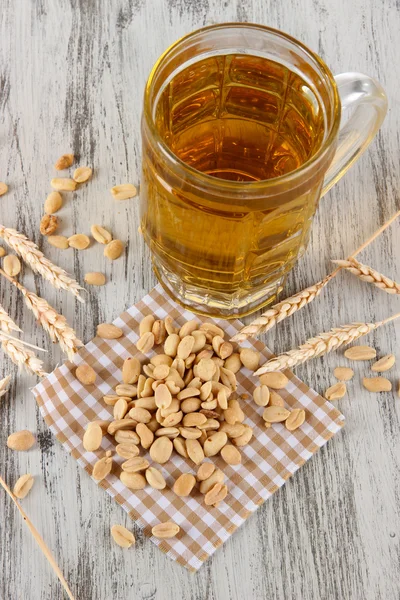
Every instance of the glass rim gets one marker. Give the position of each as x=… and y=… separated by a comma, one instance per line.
x=240, y=186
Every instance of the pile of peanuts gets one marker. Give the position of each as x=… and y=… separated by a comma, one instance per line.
x=183, y=399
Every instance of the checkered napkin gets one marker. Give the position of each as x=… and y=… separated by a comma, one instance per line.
x=272, y=456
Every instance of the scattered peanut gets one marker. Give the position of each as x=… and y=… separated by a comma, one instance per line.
x=250, y=358
x=145, y=342
x=48, y=224
x=123, y=191
x=295, y=419
x=12, y=265
x=64, y=162
x=122, y=536
x=343, y=373
x=275, y=399
x=131, y=370
x=377, y=384
x=217, y=493
x=94, y=278
x=114, y=249
x=82, y=174
x=184, y=484
x=155, y=479
x=85, y=374
x=3, y=188
x=384, y=364
x=134, y=481
x=92, y=437
x=161, y=450
x=108, y=331
x=101, y=234
x=275, y=414
x=102, y=468
x=275, y=380
x=127, y=450
x=79, y=241
x=360, y=353
x=23, y=486
x=21, y=440
x=336, y=391
x=165, y=530
x=65, y=184
x=261, y=395
x=231, y=455
x=58, y=241
x=53, y=203
x=205, y=470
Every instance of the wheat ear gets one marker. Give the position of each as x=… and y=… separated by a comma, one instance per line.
x=321, y=344
x=22, y=357
x=39, y=540
x=55, y=324
x=282, y=310
x=6, y=322
x=4, y=385
x=290, y=305
x=31, y=254
x=366, y=273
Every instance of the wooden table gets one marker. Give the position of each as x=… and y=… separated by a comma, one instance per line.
x=71, y=78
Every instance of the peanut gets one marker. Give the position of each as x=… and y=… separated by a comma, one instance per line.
x=58, y=241
x=79, y=241
x=21, y=440
x=114, y=249
x=122, y=536
x=61, y=184
x=85, y=374
x=48, y=224
x=184, y=484
x=12, y=265
x=64, y=162
x=295, y=419
x=108, y=331
x=53, y=203
x=93, y=278
x=123, y=191
x=82, y=174
x=165, y=530
x=101, y=234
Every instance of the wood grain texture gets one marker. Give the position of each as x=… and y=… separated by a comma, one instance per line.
x=72, y=74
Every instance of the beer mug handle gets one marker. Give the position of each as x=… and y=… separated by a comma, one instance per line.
x=368, y=102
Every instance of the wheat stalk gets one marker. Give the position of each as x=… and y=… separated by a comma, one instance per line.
x=290, y=305
x=40, y=541
x=31, y=254
x=366, y=273
x=22, y=356
x=55, y=324
x=6, y=322
x=4, y=385
x=282, y=310
x=7, y=336
x=321, y=344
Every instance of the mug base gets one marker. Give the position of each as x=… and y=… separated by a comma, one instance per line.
x=222, y=306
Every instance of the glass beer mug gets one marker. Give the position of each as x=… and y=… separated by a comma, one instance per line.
x=241, y=137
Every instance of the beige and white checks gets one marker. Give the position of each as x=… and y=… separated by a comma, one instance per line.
x=272, y=456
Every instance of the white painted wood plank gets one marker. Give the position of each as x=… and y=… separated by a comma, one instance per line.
x=71, y=78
